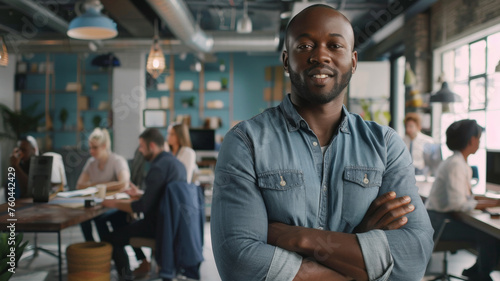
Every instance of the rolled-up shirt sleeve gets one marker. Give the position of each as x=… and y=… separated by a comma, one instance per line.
x=239, y=221
x=376, y=253
x=411, y=245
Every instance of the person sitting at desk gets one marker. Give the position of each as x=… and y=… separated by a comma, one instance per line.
x=415, y=140
x=20, y=161
x=179, y=143
x=451, y=192
x=165, y=168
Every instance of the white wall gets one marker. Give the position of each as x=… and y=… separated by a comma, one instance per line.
x=7, y=82
x=129, y=94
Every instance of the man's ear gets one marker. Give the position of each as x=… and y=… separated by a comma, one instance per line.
x=354, y=61
x=284, y=57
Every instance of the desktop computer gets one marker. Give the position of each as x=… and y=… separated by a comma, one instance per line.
x=493, y=171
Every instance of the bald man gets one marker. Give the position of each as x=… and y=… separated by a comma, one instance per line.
x=307, y=190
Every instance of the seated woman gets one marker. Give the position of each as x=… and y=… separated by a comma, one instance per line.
x=451, y=192
x=179, y=143
x=111, y=169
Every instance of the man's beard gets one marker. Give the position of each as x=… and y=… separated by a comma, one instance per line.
x=148, y=155
x=303, y=91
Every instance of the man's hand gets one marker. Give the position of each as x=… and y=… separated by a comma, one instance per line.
x=15, y=157
x=386, y=212
x=133, y=191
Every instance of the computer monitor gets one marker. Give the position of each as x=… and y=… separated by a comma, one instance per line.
x=432, y=157
x=202, y=139
x=493, y=170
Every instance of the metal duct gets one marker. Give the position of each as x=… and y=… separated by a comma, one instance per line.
x=223, y=42
x=250, y=42
x=180, y=21
x=41, y=15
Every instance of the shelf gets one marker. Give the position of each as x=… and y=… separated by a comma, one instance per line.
x=65, y=131
x=190, y=91
x=222, y=108
x=224, y=91
x=36, y=73
x=95, y=110
x=96, y=72
x=29, y=91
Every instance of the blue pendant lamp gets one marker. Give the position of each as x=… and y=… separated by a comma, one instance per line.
x=92, y=25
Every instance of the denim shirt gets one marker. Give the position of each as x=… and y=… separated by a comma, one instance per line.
x=271, y=168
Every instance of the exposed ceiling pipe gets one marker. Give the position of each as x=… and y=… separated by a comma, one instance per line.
x=42, y=16
x=224, y=41
x=236, y=42
x=182, y=24
x=180, y=21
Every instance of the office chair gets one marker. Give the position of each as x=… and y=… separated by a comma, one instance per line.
x=445, y=247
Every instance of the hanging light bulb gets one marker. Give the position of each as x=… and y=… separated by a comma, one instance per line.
x=156, y=60
x=244, y=24
x=4, y=56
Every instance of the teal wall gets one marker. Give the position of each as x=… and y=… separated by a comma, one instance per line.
x=249, y=83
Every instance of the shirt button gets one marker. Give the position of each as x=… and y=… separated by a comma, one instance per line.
x=315, y=143
x=320, y=228
x=324, y=187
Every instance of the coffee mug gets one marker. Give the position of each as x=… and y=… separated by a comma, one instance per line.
x=101, y=191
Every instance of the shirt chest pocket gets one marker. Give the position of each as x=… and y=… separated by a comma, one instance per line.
x=360, y=188
x=283, y=192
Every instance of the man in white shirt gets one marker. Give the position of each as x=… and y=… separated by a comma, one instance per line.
x=415, y=140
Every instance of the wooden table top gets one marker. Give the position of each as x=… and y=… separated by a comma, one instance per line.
x=40, y=217
x=477, y=218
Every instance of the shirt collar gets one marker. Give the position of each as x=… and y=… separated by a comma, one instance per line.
x=294, y=120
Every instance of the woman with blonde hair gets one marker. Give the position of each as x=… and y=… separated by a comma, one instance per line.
x=111, y=169
x=179, y=143
x=104, y=167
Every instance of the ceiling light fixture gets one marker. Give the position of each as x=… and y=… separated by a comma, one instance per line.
x=244, y=24
x=156, y=60
x=4, y=56
x=92, y=25
x=445, y=95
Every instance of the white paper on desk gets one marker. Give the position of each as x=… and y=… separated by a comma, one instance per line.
x=80, y=192
x=119, y=195
x=72, y=202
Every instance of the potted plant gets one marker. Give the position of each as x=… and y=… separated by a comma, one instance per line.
x=63, y=117
x=224, y=82
x=222, y=65
x=20, y=122
x=188, y=102
x=9, y=258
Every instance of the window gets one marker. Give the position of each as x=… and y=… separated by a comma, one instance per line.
x=469, y=68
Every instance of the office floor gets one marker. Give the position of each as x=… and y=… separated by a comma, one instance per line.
x=44, y=267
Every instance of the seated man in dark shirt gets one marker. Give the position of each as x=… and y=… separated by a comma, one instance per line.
x=165, y=168
x=20, y=161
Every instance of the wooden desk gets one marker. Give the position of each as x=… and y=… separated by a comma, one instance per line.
x=477, y=219
x=44, y=217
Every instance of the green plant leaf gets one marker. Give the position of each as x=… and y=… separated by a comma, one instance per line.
x=5, y=276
